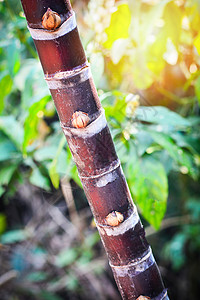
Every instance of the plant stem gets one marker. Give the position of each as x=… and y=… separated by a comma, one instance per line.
x=69, y=78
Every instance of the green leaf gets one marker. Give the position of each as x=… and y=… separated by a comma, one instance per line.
x=74, y=175
x=59, y=161
x=32, y=120
x=53, y=172
x=37, y=276
x=85, y=258
x=13, y=57
x=193, y=206
x=119, y=25
x=3, y=223
x=72, y=282
x=6, y=173
x=163, y=157
x=44, y=295
x=143, y=141
x=197, y=43
x=67, y=257
x=175, y=250
x=63, y=163
x=117, y=108
x=7, y=149
x=160, y=115
x=5, y=88
x=58, y=156
x=38, y=179
x=187, y=141
x=46, y=153
x=54, y=176
x=13, y=236
x=92, y=239
x=13, y=129
x=197, y=89
x=148, y=183
x=177, y=153
x=30, y=82
x=2, y=190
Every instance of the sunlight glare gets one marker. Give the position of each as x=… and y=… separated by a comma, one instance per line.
x=171, y=55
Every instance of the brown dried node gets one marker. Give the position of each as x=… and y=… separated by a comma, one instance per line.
x=51, y=20
x=114, y=218
x=143, y=298
x=80, y=119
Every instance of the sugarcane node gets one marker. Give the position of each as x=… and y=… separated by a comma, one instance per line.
x=143, y=298
x=114, y=218
x=80, y=119
x=51, y=20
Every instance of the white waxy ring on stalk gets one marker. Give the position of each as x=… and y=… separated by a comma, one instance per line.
x=43, y=34
x=93, y=128
x=136, y=267
x=123, y=227
x=67, y=79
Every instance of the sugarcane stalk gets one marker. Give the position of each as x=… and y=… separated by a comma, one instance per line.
x=52, y=25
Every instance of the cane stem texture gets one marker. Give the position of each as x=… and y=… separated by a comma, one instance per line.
x=82, y=118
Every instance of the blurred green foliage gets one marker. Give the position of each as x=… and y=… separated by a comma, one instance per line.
x=144, y=57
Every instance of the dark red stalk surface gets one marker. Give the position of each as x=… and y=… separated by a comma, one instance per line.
x=68, y=77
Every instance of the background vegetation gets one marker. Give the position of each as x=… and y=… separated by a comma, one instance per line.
x=145, y=61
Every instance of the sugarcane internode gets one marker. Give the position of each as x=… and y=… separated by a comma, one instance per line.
x=83, y=121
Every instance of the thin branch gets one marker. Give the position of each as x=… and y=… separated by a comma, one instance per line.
x=5, y=278
x=170, y=222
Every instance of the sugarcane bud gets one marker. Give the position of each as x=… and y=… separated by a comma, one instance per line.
x=143, y=298
x=80, y=119
x=51, y=20
x=114, y=218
